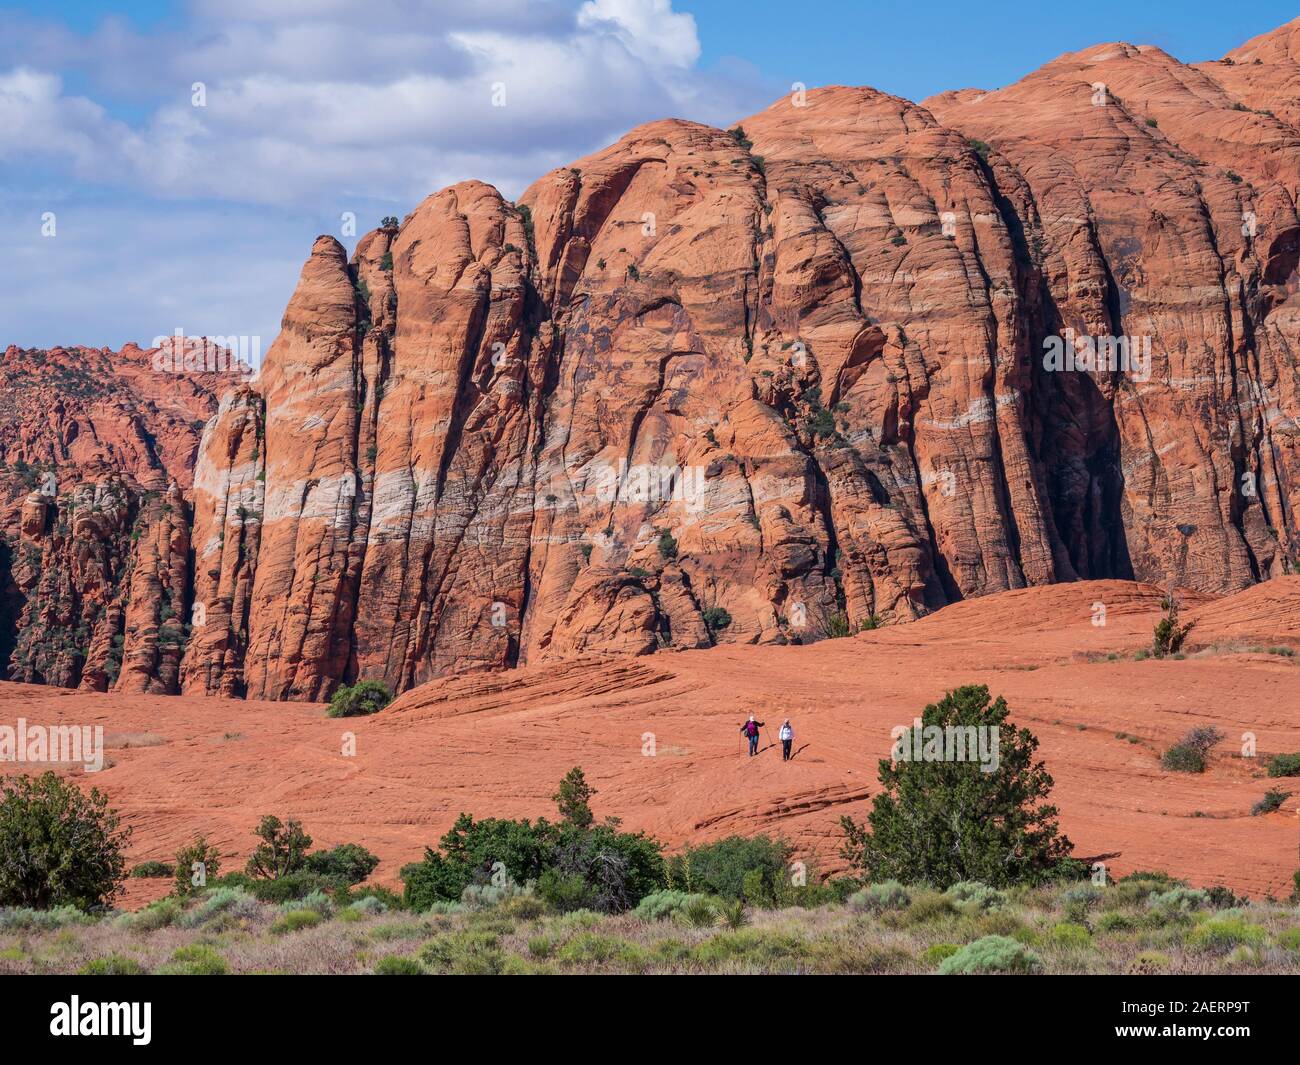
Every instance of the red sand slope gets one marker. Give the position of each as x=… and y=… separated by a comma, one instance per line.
x=498, y=743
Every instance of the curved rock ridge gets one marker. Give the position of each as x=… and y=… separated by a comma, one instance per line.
x=846, y=363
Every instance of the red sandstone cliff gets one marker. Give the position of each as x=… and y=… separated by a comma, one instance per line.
x=763, y=385
x=97, y=451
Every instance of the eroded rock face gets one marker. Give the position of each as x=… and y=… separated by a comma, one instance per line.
x=849, y=362
x=97, y=451
x=1160, y=208
x=771, y=383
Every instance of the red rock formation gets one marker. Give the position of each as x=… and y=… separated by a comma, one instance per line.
x=1158, y=207
x=96, y=451
x=773, y=383
x=760, y=385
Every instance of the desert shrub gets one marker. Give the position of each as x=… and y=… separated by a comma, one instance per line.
x=759, y=947
x=1284, y=765
x=1178, y=899
x=577, y=921
x=231, y=902
x=348, y=863
x=398, y=965
x=1115, y=921
x=1272, y=800
x=1189, y=754
x=363, y=698
x=926, y=905
x=295, y=921
x=661, y=905
x=197, y=861
x=732, y=913
x=1149, y=963
x=592, y=948
x=153, y=870
x=160, y=914
x=1078, y=900
x=1183, y=759
x=25, y=919
x=1203, y=737
x=58, y=846
x=972, y=897
x=317, y=901
x=464, y=953
x=875, y=898
x=468, y=853
x=527, y=906
x=368, y=906
x=1289, y=939
x=1136, y=888
x=1222, y=898
x=1169, y=636
x=196, y=959
x=616, y=869
x=1009, y=834
x=283, y=849
x=667, y=545
x=290, y=887
x=698, y=911
x=715, y=619
x=390, y=899
x=563, y=892
x=991, y=954
x=1068, y=934
x=619, y=868
x=542, y=946
x=749, y=867
x=1222, y=933
x=938, y=953
x=112, y=965
x=485, y=896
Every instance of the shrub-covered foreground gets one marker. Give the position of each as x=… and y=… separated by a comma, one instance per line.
x=993, y=892
x=1143, y=924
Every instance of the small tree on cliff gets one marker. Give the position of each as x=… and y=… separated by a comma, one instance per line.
x=1169, y=635
x=942, y=820
x=574, y=799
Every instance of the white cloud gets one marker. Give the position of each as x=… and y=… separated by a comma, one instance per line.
x=36, y=117
x=299, y=108
x=648, y=29
x=314, y=107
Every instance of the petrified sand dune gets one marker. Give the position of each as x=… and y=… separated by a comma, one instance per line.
x=1266, y=612
x=658, y=738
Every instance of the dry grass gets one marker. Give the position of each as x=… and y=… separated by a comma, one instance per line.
x=1116, y=931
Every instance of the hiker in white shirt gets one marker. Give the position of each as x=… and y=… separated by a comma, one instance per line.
x=787, y=739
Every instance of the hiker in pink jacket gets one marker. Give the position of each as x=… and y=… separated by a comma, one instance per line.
x=750, y=729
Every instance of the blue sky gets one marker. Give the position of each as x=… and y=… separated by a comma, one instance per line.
x=169, y=215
